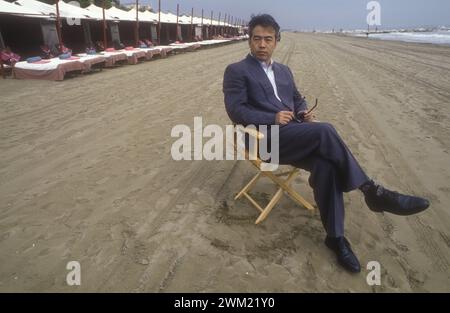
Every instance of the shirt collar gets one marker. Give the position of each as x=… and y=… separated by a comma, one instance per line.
x=263, y=64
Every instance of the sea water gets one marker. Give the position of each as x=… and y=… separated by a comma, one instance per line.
x=438, y=37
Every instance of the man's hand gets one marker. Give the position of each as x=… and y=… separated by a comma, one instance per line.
x=307, y=117
x=284, y=117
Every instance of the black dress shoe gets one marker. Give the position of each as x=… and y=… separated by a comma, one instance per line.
x=379, y=199
x=344, y=253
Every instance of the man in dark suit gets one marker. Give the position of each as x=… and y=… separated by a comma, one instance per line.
x=259, y=91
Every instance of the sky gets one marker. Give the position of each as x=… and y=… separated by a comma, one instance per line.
x=320, y=14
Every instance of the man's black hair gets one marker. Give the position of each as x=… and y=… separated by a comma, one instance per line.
x=264, y=20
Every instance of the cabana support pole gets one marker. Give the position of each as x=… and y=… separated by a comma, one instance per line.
x=210, y=25
x=224, y=30
x=58, y=27
x=192, y=23
x=105, y=38
x=136, y=29
x=202, y=25
x=159, y=22
x=231, y=26
x=219, y=23
x=178, y=12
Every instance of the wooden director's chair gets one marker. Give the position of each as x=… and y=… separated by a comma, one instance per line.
x=283, y=184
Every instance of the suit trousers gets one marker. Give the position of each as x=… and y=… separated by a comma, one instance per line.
x=318, y=148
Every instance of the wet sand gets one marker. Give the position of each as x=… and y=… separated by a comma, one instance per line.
x=86, y=175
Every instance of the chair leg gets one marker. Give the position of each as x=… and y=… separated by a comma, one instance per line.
x=284, y=186
x=294, y=195
x=254, y=202
x=249, y=186
x=269, y=206
x=277, y=196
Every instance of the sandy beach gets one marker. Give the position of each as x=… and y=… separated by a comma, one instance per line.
x=86, y=175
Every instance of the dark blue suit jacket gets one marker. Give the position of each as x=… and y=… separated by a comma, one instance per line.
x=249, y=95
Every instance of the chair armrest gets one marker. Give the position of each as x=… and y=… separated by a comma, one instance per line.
x=252, y=132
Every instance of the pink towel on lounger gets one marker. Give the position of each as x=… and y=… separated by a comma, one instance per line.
x=42, y=62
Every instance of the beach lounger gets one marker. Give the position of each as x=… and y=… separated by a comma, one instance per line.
x=213, y=43
x=91, y=61
x=276, y=178
x=151, y=52
x=187, y=46
x=178, y=47
x=165, y=50
x=51, y=69
x=134, y=55
x=162, y=51
x=54, y=68
x=113, y=57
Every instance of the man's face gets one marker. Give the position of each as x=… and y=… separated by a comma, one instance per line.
x=263, y=43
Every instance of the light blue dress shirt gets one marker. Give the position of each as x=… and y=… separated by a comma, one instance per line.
x=268, y=69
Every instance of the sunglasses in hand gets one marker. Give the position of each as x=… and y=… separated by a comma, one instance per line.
x=302, y=114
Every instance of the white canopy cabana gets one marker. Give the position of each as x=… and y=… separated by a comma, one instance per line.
x=39, y=9
x=172, y=18
x=208, y=22
x=198, y=21
x=153, y=15
x=165, y=18
x=74, y=11
x=98, y=13
x=121, y=15
x=36, y=6
x=65, y=10
x=145, y=16
x=184, y=19
x=11, y=8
